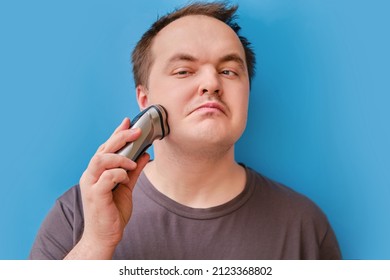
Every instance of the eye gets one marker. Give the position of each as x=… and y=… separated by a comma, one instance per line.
x=182, y=73
x=227, y=72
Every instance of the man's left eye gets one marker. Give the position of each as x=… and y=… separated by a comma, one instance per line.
x=228, y=73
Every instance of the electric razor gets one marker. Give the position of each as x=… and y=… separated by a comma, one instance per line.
x=153, y=122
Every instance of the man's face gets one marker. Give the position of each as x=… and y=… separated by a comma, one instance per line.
x=200, y=76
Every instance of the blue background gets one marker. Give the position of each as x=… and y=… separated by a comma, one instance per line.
x=319, y=109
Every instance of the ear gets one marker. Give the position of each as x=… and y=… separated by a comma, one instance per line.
x=142, y=97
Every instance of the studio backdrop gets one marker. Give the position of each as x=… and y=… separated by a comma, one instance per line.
x=318, y=115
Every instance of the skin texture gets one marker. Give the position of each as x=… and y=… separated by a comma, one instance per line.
x=199, y=75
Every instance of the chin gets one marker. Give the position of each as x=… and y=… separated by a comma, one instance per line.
x=213, y=139
x=211, y=132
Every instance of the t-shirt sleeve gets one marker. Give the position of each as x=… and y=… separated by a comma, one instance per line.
x=320, y=240
x=61, y=229
x=329, y=247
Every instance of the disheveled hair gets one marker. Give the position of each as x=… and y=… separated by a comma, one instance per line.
x=142, y=59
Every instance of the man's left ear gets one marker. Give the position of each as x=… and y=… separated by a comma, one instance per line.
x=142, y=97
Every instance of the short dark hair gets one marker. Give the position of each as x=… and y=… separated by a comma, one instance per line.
x=142, y=59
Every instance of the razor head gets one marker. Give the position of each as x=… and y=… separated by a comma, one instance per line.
x=153, y=122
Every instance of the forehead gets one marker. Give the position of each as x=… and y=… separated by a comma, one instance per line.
x=198, y=35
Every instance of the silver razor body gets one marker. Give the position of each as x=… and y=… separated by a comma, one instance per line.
x=153, y=122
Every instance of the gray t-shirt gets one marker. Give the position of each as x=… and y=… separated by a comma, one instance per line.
x=266, y=221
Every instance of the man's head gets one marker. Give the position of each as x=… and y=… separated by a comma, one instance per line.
x=197, y=67
x=142, y=57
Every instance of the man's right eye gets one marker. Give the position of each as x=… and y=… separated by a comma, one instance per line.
x=182, y=73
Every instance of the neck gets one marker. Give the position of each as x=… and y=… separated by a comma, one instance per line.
x=199, y=181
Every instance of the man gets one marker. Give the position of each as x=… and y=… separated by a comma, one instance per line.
x=193, y=201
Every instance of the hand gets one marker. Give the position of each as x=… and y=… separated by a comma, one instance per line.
x=107, y=211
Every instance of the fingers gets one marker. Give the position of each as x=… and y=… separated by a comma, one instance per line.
x=119, y=139
x=109, y=179
x=101, y=162
x=124, y=126
x=105, y=158
x=109, y=170
x=125, y=189
x=141, y=162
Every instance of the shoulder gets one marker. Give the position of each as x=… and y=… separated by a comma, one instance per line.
x=296, y=214
x=62, y=227
x=69, y=204
x=71, y=198
x=281, y=198
x=68, y=209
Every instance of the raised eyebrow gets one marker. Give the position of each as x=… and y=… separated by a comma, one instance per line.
x=235, y=58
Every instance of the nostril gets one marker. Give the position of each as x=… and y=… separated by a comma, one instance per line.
x=206, y=91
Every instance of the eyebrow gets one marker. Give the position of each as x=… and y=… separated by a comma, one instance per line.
x=233, y=57
x=182, y=57
x=226, y=58
x=179, y=57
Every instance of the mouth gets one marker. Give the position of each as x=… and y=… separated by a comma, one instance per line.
x=211, y=107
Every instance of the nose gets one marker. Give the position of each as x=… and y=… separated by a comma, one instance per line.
x=210, y=83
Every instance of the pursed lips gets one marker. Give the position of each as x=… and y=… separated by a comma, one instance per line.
x=211, y=105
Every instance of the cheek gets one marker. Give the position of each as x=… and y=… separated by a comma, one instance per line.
x=239, y=101
x=175, y=97
x=240, y=111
